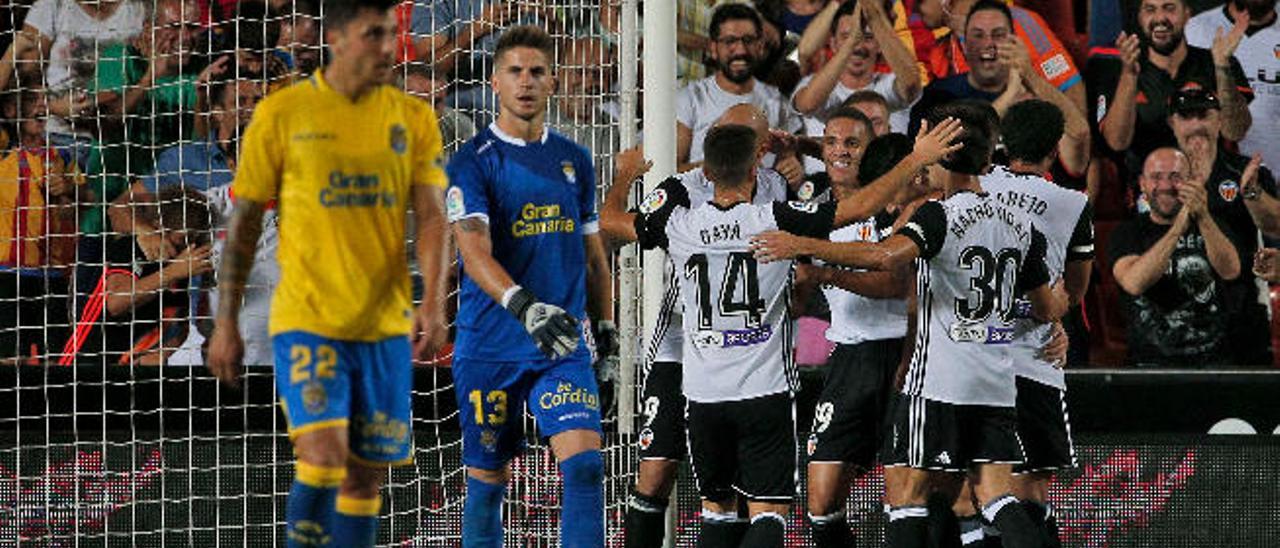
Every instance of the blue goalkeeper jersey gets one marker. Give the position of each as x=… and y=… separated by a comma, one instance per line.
x=539, y=199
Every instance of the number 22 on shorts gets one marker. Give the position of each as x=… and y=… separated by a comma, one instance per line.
x=497, y=399
x=300, y=357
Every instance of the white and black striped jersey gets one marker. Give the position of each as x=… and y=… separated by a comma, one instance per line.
x=976, y=258
x=854, y=318
x=667, y=344
x=736, y=323
x=1064, y=217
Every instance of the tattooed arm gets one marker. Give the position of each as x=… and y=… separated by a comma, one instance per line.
x=226, y=349
x=476, y=248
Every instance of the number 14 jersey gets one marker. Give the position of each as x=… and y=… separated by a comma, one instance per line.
x=976, y=258
x=737, y=328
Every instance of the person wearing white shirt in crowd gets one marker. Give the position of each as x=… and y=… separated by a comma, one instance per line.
x=736, y=46
x=1259, y=56
x=861, y=33
x=64, y=37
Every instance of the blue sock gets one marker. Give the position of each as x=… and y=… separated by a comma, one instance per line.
x=355, y=521
x=582, y=510
x=309, y=509
x=482, y=514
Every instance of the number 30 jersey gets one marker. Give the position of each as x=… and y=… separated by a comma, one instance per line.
x=977, y=257
x=736, y=325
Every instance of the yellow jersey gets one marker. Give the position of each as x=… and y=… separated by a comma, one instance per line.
x=341, y=173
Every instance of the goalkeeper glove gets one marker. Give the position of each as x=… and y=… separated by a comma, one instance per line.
x=554, y=331
x=605, y=334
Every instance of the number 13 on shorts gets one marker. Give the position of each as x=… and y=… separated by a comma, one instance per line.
x=497, y=406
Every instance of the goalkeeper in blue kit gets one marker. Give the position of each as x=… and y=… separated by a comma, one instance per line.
x=522, y=205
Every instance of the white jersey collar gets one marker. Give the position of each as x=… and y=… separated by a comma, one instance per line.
x=502, y=136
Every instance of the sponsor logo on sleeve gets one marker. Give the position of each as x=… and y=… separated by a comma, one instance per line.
x=1055, y=66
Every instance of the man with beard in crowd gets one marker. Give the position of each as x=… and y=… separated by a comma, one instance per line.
x=1130, y=88
x=736, y=46
x=1259, y=57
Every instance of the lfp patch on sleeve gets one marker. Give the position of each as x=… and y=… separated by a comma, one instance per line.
x=654, y=201
x=453, y=205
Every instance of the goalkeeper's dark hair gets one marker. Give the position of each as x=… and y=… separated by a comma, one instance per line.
x=882, y=154
x=1031, y=130
x=337, y=13
x=850, y=113
x=728, y=154
x=981, y=131
x=734, y=12
x=526, y=36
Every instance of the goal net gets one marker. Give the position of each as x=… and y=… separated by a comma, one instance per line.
x=111, y=430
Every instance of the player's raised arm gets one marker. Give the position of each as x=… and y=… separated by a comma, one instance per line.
x=615, y=221
x=932, y=145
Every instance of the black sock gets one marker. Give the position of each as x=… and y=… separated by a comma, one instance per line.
x=1016, y=528
x=646, y=525
x=766, y=531
x=1036, y=512
x=831, y=531
x=721, y=531
x=971, y=532
x=908, y=527
x=1051, y=528
x=944, y=530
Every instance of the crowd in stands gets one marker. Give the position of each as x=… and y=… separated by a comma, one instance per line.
x=121, y=119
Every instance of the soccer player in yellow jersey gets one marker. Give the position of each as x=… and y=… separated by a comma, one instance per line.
x=345, y=156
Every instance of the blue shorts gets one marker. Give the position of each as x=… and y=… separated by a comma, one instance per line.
x=492, y=395
x=365, y=387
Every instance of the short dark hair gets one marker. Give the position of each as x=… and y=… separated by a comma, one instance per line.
x=526, y=36
x=865, y=96
x=178, y=208
x=253, y=29
x=850, y=113
x=881, y=155
x=993, y=5
x=845, y=10
x=734, y=12
x=337, y=13
x=1031, y=130
x=232, y=74
x=981, y=130
x=729, y=152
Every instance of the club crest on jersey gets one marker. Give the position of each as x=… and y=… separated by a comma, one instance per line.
x=489, y=440
x=399, y=138
x=314, y=397
x=1102, y=108
x=454, y=207
x=1229, y=189
x=1277, y=51
x=812, y=445
x=654, y=201
x=646, y=438
x=569, y=175
x=806, y=191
